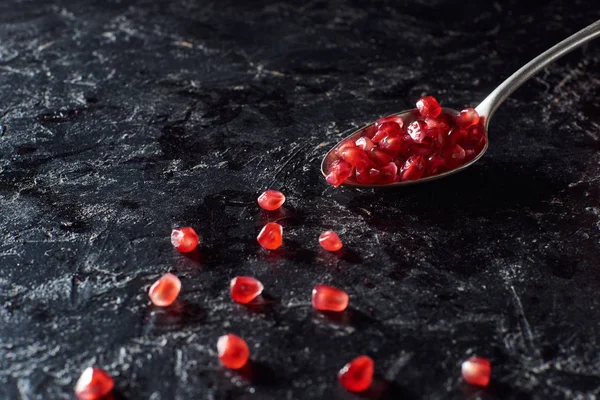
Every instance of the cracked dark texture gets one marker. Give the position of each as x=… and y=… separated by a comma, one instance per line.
x=122, y=119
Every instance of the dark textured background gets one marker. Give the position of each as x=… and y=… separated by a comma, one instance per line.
x=122, y=119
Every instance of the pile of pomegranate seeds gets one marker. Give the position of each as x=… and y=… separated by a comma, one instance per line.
x=93, y=384
x=357, y=375
x=271, y=236
x=184, y=239
x=328, y=298
x=330, y=241
x=271, y=200
x=165, y=290
x=477, y=371
x=409, y=147
x=233, y=351
x=244, y=289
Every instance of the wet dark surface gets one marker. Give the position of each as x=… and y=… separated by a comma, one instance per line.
x=122, y=119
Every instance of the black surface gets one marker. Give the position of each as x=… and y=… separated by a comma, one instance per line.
x=123, y=119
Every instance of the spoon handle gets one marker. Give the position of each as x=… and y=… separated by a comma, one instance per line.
x=489, y=105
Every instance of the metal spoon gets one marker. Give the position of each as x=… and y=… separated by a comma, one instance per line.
x=490, y=104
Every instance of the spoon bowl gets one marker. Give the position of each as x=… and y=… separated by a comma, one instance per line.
x=330, y=157
x=485, y=109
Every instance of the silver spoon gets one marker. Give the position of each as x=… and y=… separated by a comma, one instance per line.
x=489, y=105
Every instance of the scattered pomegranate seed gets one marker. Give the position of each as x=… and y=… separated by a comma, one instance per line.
x=270, y=236
x=328, y=298
x=338, y=172
x=467, y=117
x=93, y=384
x=184, y=239
x=233, y=351
x=429, y=107
x=357, y=375
x=409, y=147
x=477, y=371
x=330, y=241
x=244, y=289
x=271, y=200
x=165, y=290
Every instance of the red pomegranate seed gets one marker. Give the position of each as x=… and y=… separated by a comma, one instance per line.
x=338, y=172
x=379, y=157
x=470, y=154
x=385, y=174
x=467, y=117
x=458, y=135
x=346, y=144
x=270, y=236
x=357, y=375
x=271, y=200
x=441, y=122
x=425, y=148
x=417, y=130
x=328, y=298
x=165, y=290
x=429, y=107
x=244, y=289
x=392, y=144
x=390, y=118
x=233, y=351
x=330, y=241
x=413, y=168
x=184, y=239
x=93, y=384
x=477, y=371
x=355, y=157
x=364, y=143
x=386, y=129
x=475, y=135
x=363, y=176
x=455, y=156
x=436, y=164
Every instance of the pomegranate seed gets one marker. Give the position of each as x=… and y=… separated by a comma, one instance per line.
x=441, y=122
x=417, y=130
x=386, y=129
x=364, y=143
x=184, y=239
x=244, y=289
x=470, y=154
x=458, y=135
x=330, y=241
x=363, y=176
x=467, y=117
x=385, y=174
x=455, y=156
x=379, y=157
x=391, y=118
x=413, y=168
x=425, y=148
x=477, y=371
x=369, y=131
x=270, y=236
x=328, y=298
x=357, y=375
x=436, y=164
x=93, y=384
x=271, y=200
x=476, y=133
x=233, y=351
x=356, y=157
x=429, y=107
x=346, y=144
x=338, y=172
x=392, y=145
x=165, y=290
